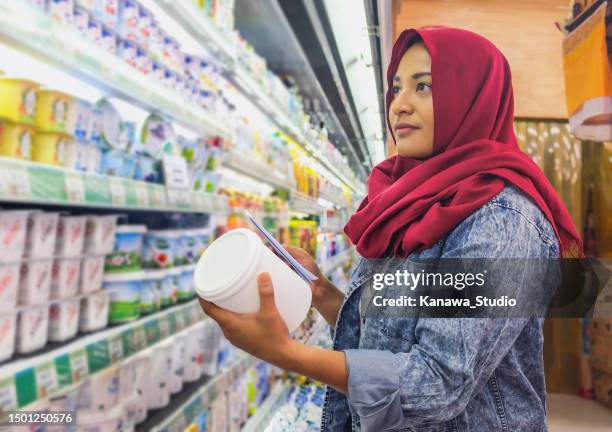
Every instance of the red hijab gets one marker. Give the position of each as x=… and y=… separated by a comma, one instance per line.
x=413, y=203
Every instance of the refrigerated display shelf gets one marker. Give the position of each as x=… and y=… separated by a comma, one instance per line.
x=264, y=414
x=29, y=182
x=249, y=165
x=25, y=381
x=31, y=30
x=336, y=261
x=305, y=204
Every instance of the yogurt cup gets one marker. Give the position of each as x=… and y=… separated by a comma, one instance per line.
x=124, y=290
x=9, y=282
x=128, y=20
x=80, y=20
x=185, y=283
x=16, y=140
x=54, y=111
x=100, y=234
x=61, y=10
x=226, y=275
x=18, y=103
x=178, y=344
x=160, y=371
x=32, y=329
x=63, y=320
x=92, y=273
x=142, y=362
x=133, y=410
x=150, y=297
x=100, y=392
x=65, y=277
x=70, y=236
x=194, y=357
x=100, y=421
x=189, y=246
x=170, y=287
x=127, y=249
x=127, y=379
x=13, y=228
x=35, y=281
x=94, y=311
x=159, y=248
x=42, y=232
x=8, y=325
x=202, y=237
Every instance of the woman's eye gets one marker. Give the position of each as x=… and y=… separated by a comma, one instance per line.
x=423, y=86
x=396, y=90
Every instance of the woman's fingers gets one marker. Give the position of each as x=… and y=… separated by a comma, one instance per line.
x=266, y=294
x=217, y=313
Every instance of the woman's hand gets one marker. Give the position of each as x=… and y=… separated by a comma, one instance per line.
x=263, y=334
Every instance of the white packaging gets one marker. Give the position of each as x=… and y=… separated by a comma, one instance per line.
x=94, y=312
x=13, y=227
x=9, y=281
x=32, y=329
x=8, y=324
x=63, y=320
x=42, y=231
x=100, y=234
x=35, y=281
x=178, y=363
x=192, y=368
x=92, y=273
x=142, y=362
x=134, y=411
x=100, y=392
x=157, y=390
x=100, y=421
x=227, y=272
x=61, y=10
x=70, y=236
x=65, y=278
x=127, y=379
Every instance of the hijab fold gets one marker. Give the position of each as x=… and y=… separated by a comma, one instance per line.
x=412, y=203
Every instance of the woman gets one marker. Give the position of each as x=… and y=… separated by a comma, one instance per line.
x=459, y=187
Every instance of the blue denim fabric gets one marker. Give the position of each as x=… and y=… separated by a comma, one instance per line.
x=439, y=374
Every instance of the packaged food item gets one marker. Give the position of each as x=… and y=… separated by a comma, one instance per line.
x=50, y=148
x=94, y=159
x=42, y=232
x=92, y=273
x=226, y=275
x=94, y=311
x=83, y=119
x=202, y=237
x=107, y=11
x=18, y=102
x=118, y=163
x=61, y=10
x=144, y=63
x=94, y=31
x=80, y=20
x=169, y=288
x=100, y=392
x=109, y=40
x=159, y=249
x=127, y=50
x=124, y=290
x=128, y=20
x=133, y=409
x=178, y=344
x=63, y=320
x=127, y=249
x=145, y=26
x=127, y=135
x=158, y=137
x=157, y=390
x=71, y=236
x=101, y=421
x=110, y=127
x=32, y=326
x=55, y=111
x=127, y=379
x=100, y=234
x=148, y=169
x=13, y=226
x=185, y=278
x=189, y=246
x=65, y=277
x=35, y=281
x=16, y=140
x=150, y=297
x=8, y=324
x=142, y=363
x=194, y=356
x=77, y=156
x=9, y=282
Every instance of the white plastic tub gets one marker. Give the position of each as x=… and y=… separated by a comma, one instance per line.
x=194, y=356
x=178, y=364
x=127, y=379
x=65, y=279
x=124, y=290
x=9, y=282
x=100, y=392
x=13, y=227
x=63, y=320
x=35, y=282
x=70, y=236
x=92, y=273
x=42, y=232
x=32, y=329
x=142, y=363
x=100, y=421
x=94, y=312
x=157, y=389
x=100, y=234
x=226, y=275
x=8, y=324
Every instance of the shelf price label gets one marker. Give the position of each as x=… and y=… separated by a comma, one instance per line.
x=46, y=379
x=158, y=197
x=115, y=348
x=75, y=190
x=15, y=182
x=117, y=191
x=78, y=365
x=176, y=177
x=142, y=195
x=8, y=394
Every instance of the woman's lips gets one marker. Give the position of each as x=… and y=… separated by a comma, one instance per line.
x=405, y=130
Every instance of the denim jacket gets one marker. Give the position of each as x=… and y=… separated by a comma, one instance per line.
x=448, y=374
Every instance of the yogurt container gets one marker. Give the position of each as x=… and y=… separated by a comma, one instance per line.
x=158, y=137
x=144, y=62
x=142, y=362
x=18, y=102
x=61, y=10
x=8, y=324
x=194, y=356
x=178, y=344
x=80, y=20
x=63, y=320
x=76, y=156
x=185, y=286
x=117, y=163
x=32, y=329
x=94, y=31
x=13, y=227
x=110, y=130
x=227, y=272
x=127, y=249
x=42, y=232
x=169, y=287
x=160, y=371
x=145, y=26
x=100, y=421
x=50, y=148
x=100, y=392
x=150, y=297
x=128, y=50
x=159, y=249
x=92, y=273
x=82, y=124
x=127, y=379
x=124, y=290
x=128, y=20
x=133, y=410
x=9, y=282
x=65, y=277
x=107, y=11
x=148, y=169
x=70, y=236
x=94, y=312
x=54, y=112
x=35, y=281
x=16, y=140
x=109, y=40
x=189, y=246
x=202, y=237
x=100, y=234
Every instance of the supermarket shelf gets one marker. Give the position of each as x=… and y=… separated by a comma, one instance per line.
x=337, y=261
x=266, y=411
x=29, y=182
x=256, y=169
x=35, y=32
x=25, y=381
x=200, y=399
x=194, y=21
x=305, y=204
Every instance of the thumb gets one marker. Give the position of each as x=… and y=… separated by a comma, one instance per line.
x=266, y=293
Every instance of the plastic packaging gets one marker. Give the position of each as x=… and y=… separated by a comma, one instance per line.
x=42, y=232
x=65, y=278
x=50, y=147
x=9, y=282
x=13, y=226
x=100, y=392
x=8, y=324
x=185, y=283
x=127, y=249
x=16, y=140
x=188, y=246
x=18, y=102
x=157, y=390
x=124, y=290
x=159, y=249
x=55, y=112
x=142, y=362
x=227, y=272
x=192, y=366
x=150, y=296
x=92, y=273
x=32, y=329
x=100, y=234
x=35, y=281
x=100, y=421
x=63, y=320
x=94, y=311
x=178, y=344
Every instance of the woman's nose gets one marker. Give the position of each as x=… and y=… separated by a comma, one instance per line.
x=402, y=103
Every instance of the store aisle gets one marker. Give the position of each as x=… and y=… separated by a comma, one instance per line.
x=568, y=413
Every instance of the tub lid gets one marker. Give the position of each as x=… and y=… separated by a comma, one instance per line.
x=226, y=262
x=124, y=277
x=131, y=229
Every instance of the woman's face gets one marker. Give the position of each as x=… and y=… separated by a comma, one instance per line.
x=411, y=113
